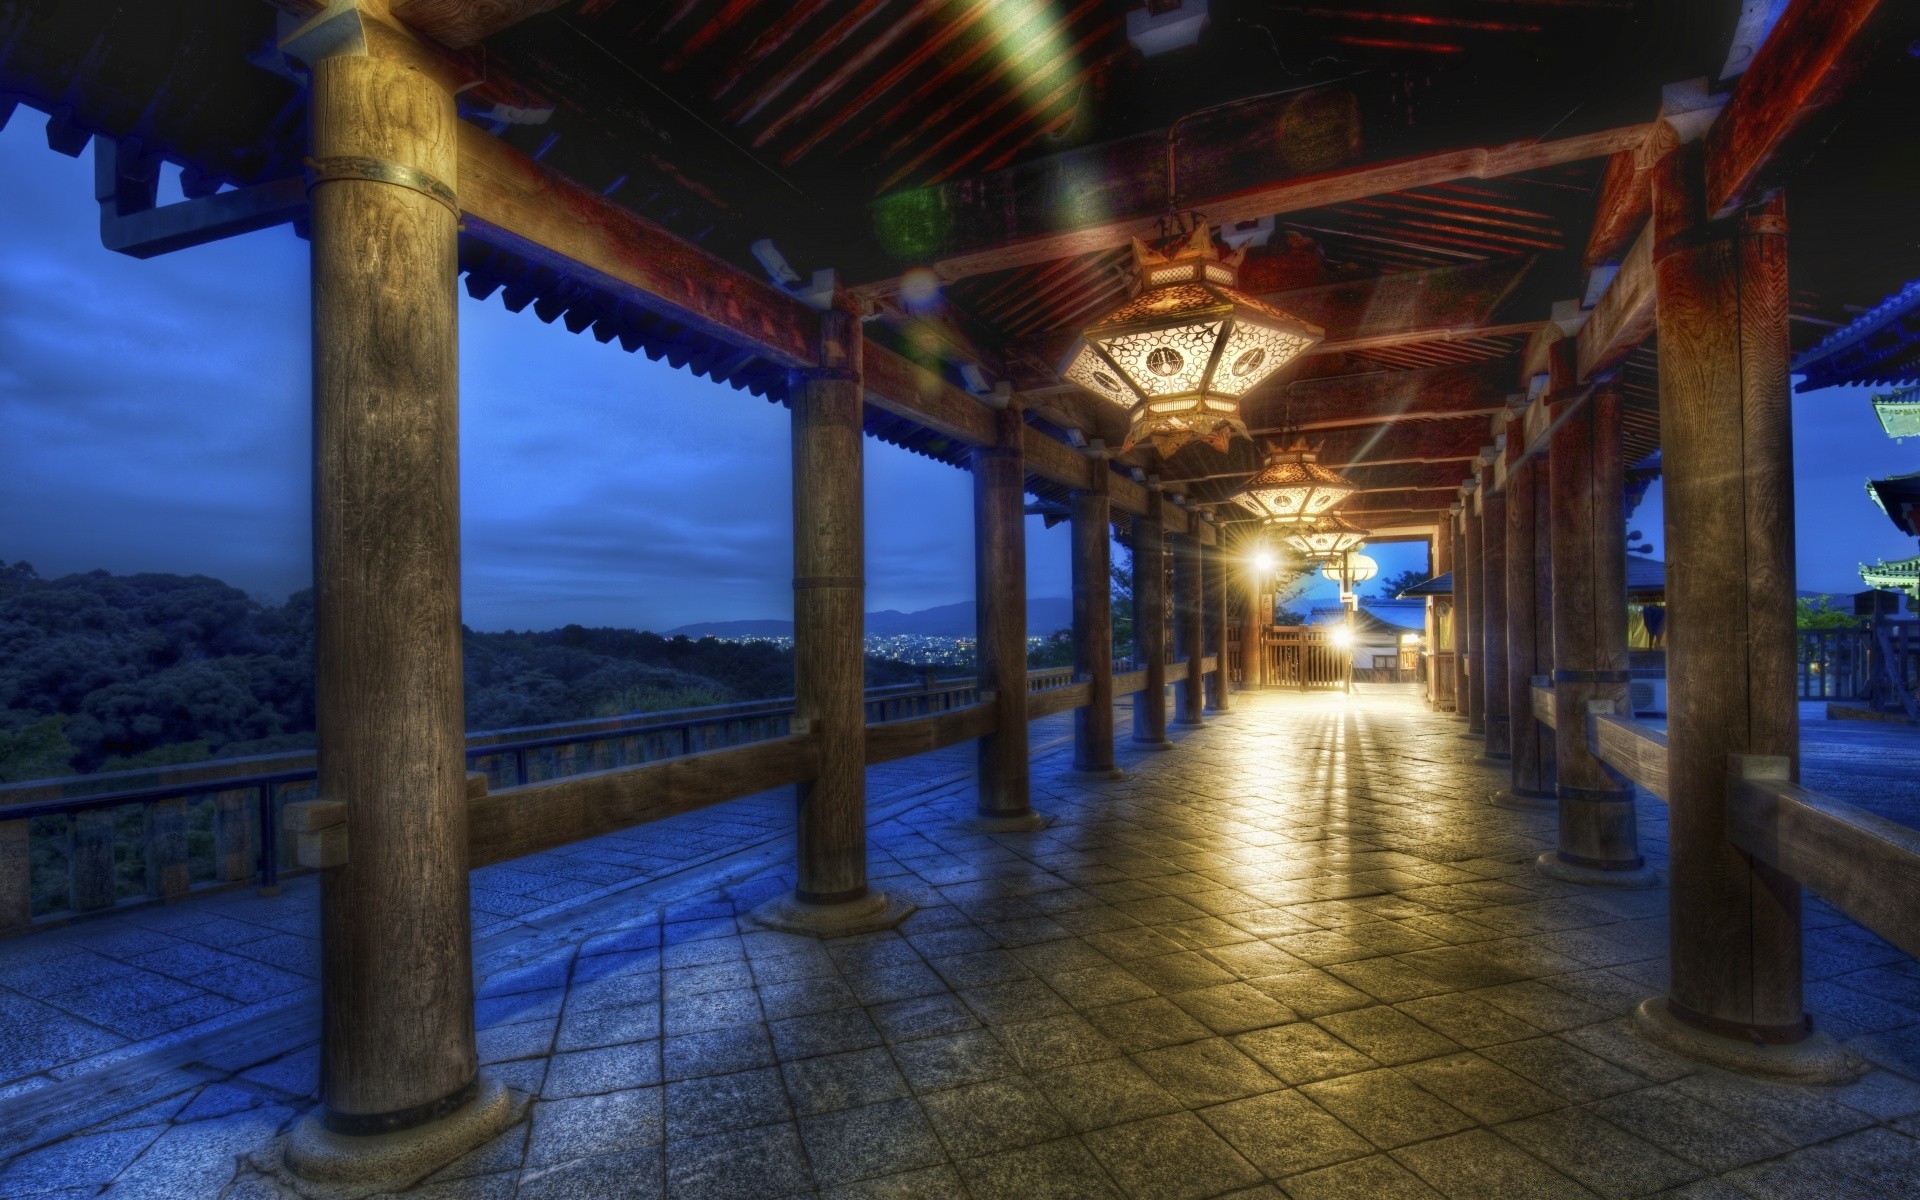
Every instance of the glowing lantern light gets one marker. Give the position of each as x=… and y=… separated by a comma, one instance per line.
x=1348, y=569
x=1293, y=488
x=1328, y=537
x=1186, y=348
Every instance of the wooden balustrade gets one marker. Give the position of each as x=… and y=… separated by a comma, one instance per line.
x=210, y=825
x=1863, y=864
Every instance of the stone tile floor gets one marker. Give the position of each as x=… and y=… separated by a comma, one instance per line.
x=1300, y=955
x=143, y=977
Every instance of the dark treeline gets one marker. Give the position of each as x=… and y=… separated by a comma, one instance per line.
x=101, y=671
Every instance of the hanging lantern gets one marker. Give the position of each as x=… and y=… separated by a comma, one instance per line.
x=1328, y=537
x=1293, y=488
x=1186, y=348
x=1349, y=568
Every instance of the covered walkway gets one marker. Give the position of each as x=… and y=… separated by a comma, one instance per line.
x=1301, y=955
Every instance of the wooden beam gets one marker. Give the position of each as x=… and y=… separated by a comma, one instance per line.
x=1381, y=397
x=1626, y=197
x=890, y=740
x=514, y=822
x=1292, y=195
x=1405, y=306
x=1057, y=700
x=1861, y=863
x=1784, y=104
x=462, y=23
x=1624, y=316
x=513, y=203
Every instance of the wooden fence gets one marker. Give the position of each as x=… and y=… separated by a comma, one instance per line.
x=85, y=844
x=1861, y=863
x=1305, y=656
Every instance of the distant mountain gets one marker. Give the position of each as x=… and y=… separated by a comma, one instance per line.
x=1044, y=615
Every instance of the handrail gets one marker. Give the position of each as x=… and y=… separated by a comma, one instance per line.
x=250, y=843
x=1633, y=748
x=1861, y=863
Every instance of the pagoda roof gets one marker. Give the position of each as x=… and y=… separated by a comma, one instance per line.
x=1899, y=497
x=1899, y=412
x=1881, y=346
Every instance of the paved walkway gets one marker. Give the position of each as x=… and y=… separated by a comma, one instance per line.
x=1299, y=955
x=74, y=999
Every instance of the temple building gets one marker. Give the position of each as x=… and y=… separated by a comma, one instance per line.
x=1249, y=287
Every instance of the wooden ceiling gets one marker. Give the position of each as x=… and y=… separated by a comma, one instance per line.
x=1436, y=175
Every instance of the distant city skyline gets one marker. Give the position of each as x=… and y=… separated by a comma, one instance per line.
x=157, y=418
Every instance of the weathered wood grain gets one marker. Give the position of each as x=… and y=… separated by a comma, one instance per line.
x=1636, y=750
x=1624, y=316
x=1000, y=614
x=1863, y=864
x=1069, y=698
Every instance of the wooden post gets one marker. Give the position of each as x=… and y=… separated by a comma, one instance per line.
x=1467, y=589
x=1253, y=654
x=1092, y=532
x=830, y=893
x=91, y=884
x=1491, y=588
x=1599, y=841
x=1150, y=625
x=1188, y=587
x=16, y=877
x=166, y=848
x=1530, y=781
x=1221, y=699
x=1728, y=461
x=1456, y=542
x=1000, y=610
x=397, y=1024
x=1543, y=590
x=233, y=856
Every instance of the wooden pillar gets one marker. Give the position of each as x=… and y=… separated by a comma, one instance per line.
x=1491, y=588
x=1467, y=591
x=1092, y=533
x=1221, y=698
x=1599, y=842
x=16, y=877
x=1728, y=462
x=1456, y=542
x=397, y=1023
x=1150, y=625
x=1188, y=587
x=1530, y=780
x=1000, y=611
x=1253, y=654
x=829, y=621
x=1543, y=611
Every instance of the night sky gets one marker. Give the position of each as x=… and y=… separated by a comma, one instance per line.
x=155, y=418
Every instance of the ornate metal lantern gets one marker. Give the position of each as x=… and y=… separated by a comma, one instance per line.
x=1186, y=348
x=1328, y=537
x=1293, y=488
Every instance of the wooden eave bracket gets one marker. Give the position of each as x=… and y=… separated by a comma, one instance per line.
x=131, y=223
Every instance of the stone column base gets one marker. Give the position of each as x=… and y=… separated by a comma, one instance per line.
x=1815, y=1059
x=1553, y=866
x=338, y=1165
x=1508, y=798
x=1183, y=723
x=1162, y=744
x=1494, y=760
x=1093, y=776
x=873, y=911
x=1026, y=822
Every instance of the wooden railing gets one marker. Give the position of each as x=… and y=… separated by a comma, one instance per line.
x=1305, y=656
x=1863, y=864
x=1834, y=664
x=88, y=843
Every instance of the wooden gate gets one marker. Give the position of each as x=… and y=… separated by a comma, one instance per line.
x=1304, y=656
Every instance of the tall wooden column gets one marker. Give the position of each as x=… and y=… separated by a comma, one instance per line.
x=397, y=1023
x=1221, y=698
x=1599, y=842
x=1543, y=589
x=1000, y=608
x=1189, y=628
x=1530, y=777
x=1491, y=590
x=1457, y=610
x=1467, y=590
x=1727, y=455
x=1253, y=655
x=1092, y=533
x=830, y=895
x=1150, y=625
